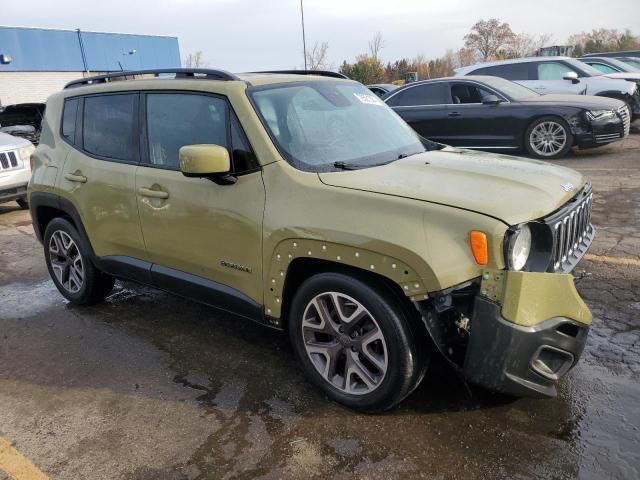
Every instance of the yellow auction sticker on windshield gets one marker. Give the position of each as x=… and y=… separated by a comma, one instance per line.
x=368, y=99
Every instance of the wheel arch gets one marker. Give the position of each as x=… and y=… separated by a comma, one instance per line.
x=295, y=260
x=565, y=117
x=45, y=206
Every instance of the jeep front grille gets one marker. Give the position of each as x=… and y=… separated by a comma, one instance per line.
x=8, y=161
x=572, y=234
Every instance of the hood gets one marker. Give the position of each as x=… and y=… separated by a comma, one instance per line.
x=584, y=101
x=510, y=189
x=8, y=142
x=606, y=82
x=633, y=76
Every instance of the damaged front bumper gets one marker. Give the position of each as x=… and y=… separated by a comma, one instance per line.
x=526, y=331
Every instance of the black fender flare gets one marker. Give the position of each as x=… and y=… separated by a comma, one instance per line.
x=37, y=200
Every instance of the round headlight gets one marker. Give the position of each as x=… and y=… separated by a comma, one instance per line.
x=519, y=248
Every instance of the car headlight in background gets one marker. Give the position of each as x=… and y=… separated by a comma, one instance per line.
x=600, y=114
x=25, y=153
x=518, y=247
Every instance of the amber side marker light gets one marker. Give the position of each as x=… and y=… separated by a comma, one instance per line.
x=479, y=247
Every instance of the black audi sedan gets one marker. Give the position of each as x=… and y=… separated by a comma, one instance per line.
x=491, y=113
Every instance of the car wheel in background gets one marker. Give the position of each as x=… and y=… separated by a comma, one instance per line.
x=22, y=202
x=548, y=138
x=356, y=341
x=70, y=267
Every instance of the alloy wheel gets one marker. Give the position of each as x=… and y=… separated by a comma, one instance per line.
x=344, y=343
x=66, y=261
x=548, y=138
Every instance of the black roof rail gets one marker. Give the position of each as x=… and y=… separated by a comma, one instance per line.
x=322, y=73
x=199, y=73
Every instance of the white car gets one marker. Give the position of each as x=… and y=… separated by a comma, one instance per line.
x=15, y=168
x=560, y=75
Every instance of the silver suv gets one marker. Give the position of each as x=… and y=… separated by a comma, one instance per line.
x=15, y=168
x=560, y=75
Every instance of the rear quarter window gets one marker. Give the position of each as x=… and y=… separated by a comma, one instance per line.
x=69, y=119
x=513, y=71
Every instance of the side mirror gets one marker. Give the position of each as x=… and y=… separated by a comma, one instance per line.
x=206, y=161
x=491, y=100
x=573, y=76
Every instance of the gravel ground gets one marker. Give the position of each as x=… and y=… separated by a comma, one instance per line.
x=150, y=386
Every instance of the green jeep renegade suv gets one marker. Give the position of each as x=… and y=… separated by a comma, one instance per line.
x=304, y=203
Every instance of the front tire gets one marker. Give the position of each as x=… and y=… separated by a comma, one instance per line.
x=22, y=203
x=68, y=260
x=548, y=138
x=356, y=341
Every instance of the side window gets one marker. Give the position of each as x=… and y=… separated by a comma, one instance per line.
x=552, y=70
x=512, y=71
x=69, y=119
x=243, y=158
x=178, y=119
x=603, y=68
x=434, y=94
x=462, y=93
x=110, y=126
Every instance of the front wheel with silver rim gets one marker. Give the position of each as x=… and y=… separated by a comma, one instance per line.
x=356, y=341
x=68, y=261
x=548, y=138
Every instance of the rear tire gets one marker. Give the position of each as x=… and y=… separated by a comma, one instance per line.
x=68, y=260
x=356, y=341
x=22, y=202
x=548, y=138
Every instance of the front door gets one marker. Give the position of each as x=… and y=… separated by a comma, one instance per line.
x=549, y=79
x=193, y=228
x=471, y=123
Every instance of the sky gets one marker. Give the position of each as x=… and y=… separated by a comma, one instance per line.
x=243, y=35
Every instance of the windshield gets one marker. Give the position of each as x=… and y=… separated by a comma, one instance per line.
x=634, y=62
x=322, y=126
x=630, y=64
x=511, y=89
x=583, y=67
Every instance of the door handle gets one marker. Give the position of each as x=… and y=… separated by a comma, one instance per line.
x=147, y=192
x=72, y=177
x=454, y=114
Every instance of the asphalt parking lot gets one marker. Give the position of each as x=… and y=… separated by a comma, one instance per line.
x=150, y=386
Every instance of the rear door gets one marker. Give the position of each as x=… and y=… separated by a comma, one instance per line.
x=194, y=229
x=423, y=107
x=98, y=176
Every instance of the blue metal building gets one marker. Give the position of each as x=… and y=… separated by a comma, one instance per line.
x=35, y=62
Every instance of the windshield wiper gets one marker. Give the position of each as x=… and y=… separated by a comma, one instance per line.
x=345, y=166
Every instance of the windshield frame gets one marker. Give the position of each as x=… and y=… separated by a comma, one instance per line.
x=328, y=167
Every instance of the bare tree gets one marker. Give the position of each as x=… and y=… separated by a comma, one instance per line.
x=488, y=37
x=524, y=45
x=194, y=60
x=317, y=57
x=375, y=45
x=464, y=57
